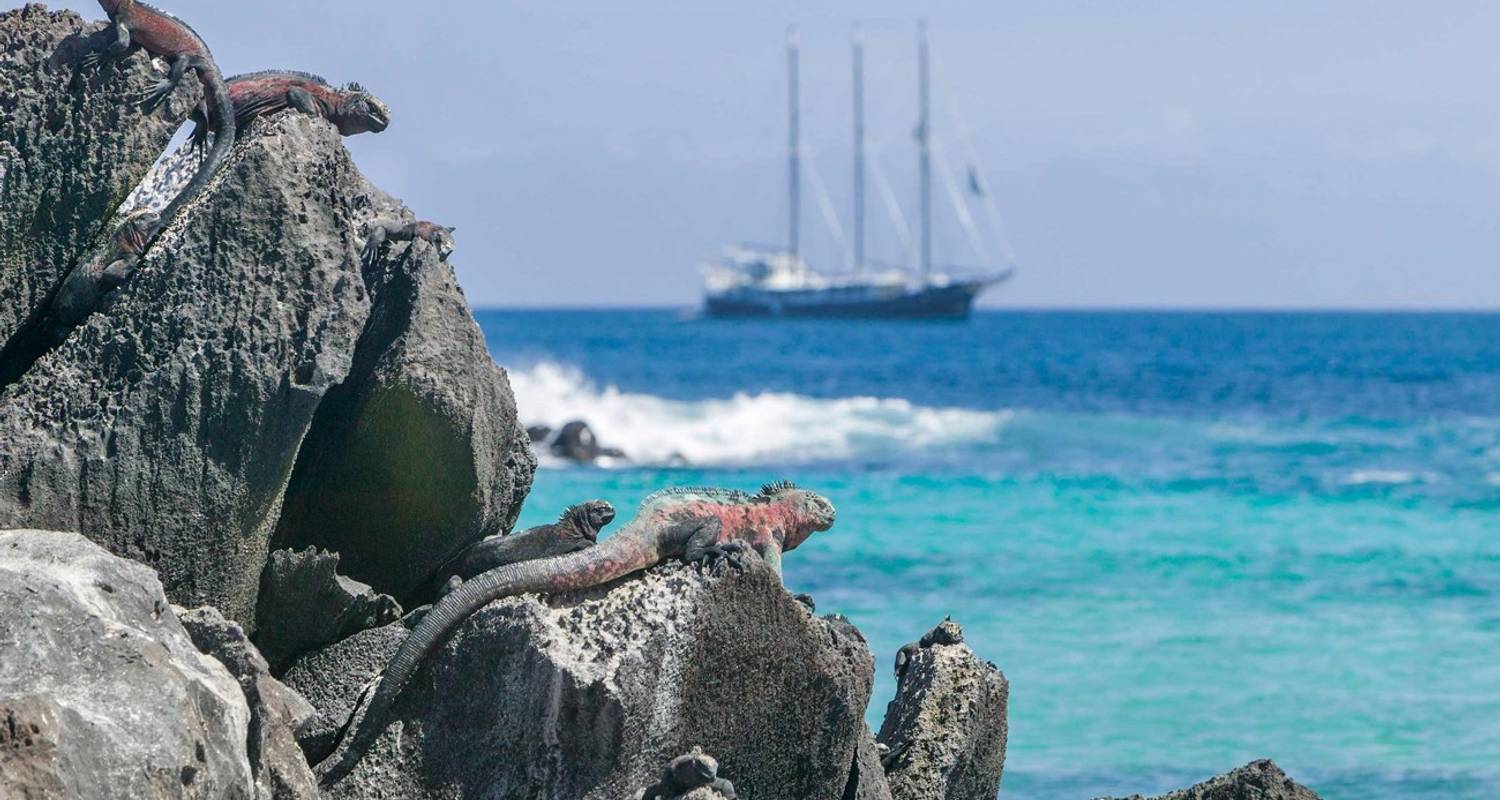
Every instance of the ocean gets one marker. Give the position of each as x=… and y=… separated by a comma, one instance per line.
x=1190, y=540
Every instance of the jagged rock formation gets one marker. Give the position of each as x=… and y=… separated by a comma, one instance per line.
x=167, y=426
x=946, y=727
x=72, y=146
x=1258, y=780
x=867, y=779
x=102, y=693
x=305, y=604
x=419, y=453
x=276, y=712
x=587, y=695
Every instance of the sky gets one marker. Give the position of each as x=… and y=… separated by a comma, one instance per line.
x=1142, y=155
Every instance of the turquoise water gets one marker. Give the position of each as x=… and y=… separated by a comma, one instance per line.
x=1188, y=540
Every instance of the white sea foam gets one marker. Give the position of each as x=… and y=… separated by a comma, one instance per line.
x=1391, y=477
x=745, y=428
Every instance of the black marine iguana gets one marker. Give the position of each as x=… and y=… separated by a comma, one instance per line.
x=687, y=772
x=702, y=526
x=378, y=231
x=87, y=284
x=577, y=529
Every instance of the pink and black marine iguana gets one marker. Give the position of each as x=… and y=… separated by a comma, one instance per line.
x=161, y=34
x=701, y=526
x=350, y=108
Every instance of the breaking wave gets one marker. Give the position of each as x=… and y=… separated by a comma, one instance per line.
x=744, y=429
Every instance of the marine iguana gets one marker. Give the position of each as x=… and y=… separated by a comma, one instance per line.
x=87, y=284
x=577, y=529
x=378, y=231
x=687, y=772
x=160, y=33
x=700, y=526
x=350, y=108
x=947, y=632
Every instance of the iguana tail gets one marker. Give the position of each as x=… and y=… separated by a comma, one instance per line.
x=617, y=556
x=218, y=156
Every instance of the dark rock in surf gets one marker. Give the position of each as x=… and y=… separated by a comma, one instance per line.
x=575, y=441
x=1258, y=780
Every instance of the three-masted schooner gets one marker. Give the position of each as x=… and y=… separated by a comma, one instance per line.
x=772, y=282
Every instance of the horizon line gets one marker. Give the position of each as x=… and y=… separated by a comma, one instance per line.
x=1081, y=309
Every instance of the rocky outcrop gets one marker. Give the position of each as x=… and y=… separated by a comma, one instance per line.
x=250, y=352
x=102, y=692
x=587, y=695
x=305, y=604
x=867, y=779
x=165, y=427
x=72, y=145
x=1258, y=780
x=946, y=727
x=333, y=678
x=276, y=712
x=419, y=453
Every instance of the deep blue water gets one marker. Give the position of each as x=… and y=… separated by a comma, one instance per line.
x=1189, y=540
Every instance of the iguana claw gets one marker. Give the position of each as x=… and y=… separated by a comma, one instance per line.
x=721, y=553
x=153, y=97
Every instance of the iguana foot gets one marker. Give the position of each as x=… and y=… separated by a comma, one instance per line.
x=892, y=755
x=152, y=98
x=733, y=553
x=452, y=583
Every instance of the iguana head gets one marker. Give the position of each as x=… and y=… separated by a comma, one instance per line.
x=807, y=512
x=439, y=236
x=360, y=112
x=590, y=518
x=134, y=230
x=695, y=769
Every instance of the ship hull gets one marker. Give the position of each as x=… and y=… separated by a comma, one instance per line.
x=953, y=301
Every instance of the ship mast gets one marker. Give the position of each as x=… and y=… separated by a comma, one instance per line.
x=793, y=178
x=924, y=149
x=859, y=150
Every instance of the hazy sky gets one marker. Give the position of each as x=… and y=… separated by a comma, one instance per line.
x=1220, y=154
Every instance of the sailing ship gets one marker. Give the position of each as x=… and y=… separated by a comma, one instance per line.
x=752, y=281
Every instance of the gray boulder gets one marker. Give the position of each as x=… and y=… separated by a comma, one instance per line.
x=276, y=712
x=305, y=604
x=587, y=695
x=102, y=692
x=946, y=727
x=1258, y=780
x=419, y=453
x=72, y=145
